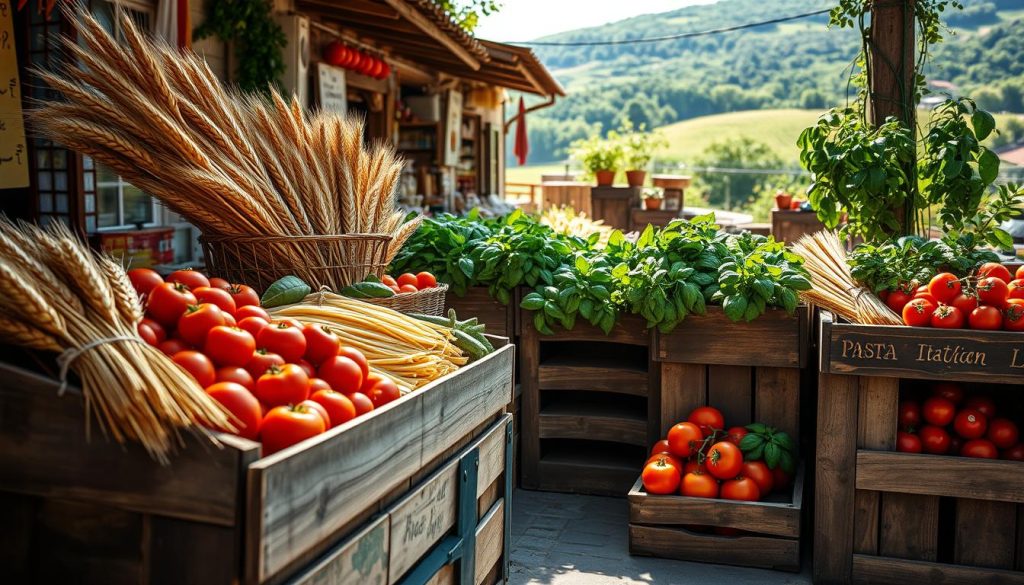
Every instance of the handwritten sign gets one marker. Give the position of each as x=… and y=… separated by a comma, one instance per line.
x=331, y=88
x=925, y=353
x=13, y=151
x=422, y=518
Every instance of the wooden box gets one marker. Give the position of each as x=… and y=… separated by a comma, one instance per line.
x=477, y=302
x=751, y=372
x=639, y=219
x=887, y=517
x=586, y=418
x=218, y=515
x=613, y=204
x=790, y=225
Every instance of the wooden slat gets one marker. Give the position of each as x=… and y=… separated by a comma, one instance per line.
x=426, y=25
x=16, y=535
x=1019, y=565
x=986, y=534
x=529, y=361
x=594, y=421
x=876, y=429
x=478, y=303
x=773, y=339
x=421, y=519
x=591, y=475
x=730, y=390
x=43, y=451
x=489, y=541
x=565, y=375
x=865, y=521
x=629, y=329
x=777, y=399
x=488, y=498
x=834, y=465
x=362, y=558
x=747, y=551
x=870, y=570
x=683, y=388
x=298, y=502
x=213, y=553
x=492, y=456
x=939, y=475
x=909, y=527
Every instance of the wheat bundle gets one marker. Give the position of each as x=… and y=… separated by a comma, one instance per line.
x=568, y=221
x=233, y=165
x=832, y=285
x=56, y=295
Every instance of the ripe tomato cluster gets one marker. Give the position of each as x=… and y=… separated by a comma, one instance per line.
x=990, y=299
x=409, y=282
x=701, y=458
x=282, y=381
x=949, y=423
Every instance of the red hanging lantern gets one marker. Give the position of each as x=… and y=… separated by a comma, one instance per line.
x=334, y=53
x=346, y=54
x=367, y=65
x=374, y=69
x=357, y=61
x=385, y=70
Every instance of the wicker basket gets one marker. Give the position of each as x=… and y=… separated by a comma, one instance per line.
x=332, y=261
x=428, y=301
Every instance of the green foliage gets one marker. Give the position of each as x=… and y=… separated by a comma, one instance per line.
x=764, y=443
x=736, y=190
x=599, y=154
x=467, y=13
x=639, y=145
x=909, y=261
x=259, y=41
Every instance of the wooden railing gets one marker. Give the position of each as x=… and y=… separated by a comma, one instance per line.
x=525, y=195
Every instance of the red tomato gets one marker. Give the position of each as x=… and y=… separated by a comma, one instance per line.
x=993, y=291
x=217, y=282
x=698, y=484
x=144, y=280
x=944, y=287
x=947, y=317
x=684, y=439
x=910, y=414
x=781, y=479
x=384, y=392
x=321, y=343
x=1015, y=453
x=938, y=411
x=980, y=448
x=172, y=346
x=319, y=409
x=926, y=296
x=966, y=302
x=229, y=346
x=156, y=328
x=229, y=320
x=407, y=288
x=907, y=443
x=934, y=440
x=216, y=296
x=261, y=361
x=342, y=374
x=741, y=488
x=396, y=290
x=659, y=447
x=361, y=401
x=147, y=334
x=287, y=384
x=898, y=299
x=284, y=426
x=948, y=390
x=388, y=280
x=253, y=325
x=407, y=278
x=660, y=477
x=425, y=280
x=985, y=317
x=190, y=278
x=1016, y=289
x=708, y=418
x=883, y=295
x=670, y=458
x=982, y=404
x=237, y=375
x=284, y=339
x=198, y=365
x=358, y=357
x=759, y=472
x=371, y=379
x=724, y=460
x=1013, y=320
x=1003, y=433
x=316, y=385
x=691, y=465
x=970, y=424
x=168, y=302
x=252, y=311
x=918, y=312
x=195, y=324
x=994, y=270
x=339, y=407
x=307, y=367
x=1020, y=272
x=736, y=434
x=243, y=295
x=242, y=405
x=956, y=442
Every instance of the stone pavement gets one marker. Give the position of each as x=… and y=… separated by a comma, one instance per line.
x=561, y=539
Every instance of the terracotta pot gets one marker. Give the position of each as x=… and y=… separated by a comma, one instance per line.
x=604, y=178
x=636, y=178
x=652, y=204
x=783, y=201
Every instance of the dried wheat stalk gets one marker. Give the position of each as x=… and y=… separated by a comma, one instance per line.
x=233, y=165
x=56, y=295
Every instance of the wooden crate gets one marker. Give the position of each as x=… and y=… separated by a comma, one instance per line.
x=612, y=204
x=888, y=517
x=586, y=413
x=500, y=319
x=218, y=515
x=751, y=372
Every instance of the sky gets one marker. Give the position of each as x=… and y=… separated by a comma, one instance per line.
x=524, y=20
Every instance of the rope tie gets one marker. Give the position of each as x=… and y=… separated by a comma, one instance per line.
x=321, y=294
x=71, y=354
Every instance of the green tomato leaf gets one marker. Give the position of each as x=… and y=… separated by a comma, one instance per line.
x=983, y=123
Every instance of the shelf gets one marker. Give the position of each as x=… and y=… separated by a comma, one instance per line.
x=940, y=475
x=417, y=124
x=594, y=418
x=594, y=468
x=592, y=373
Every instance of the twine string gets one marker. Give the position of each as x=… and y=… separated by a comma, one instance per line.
x=71, y=354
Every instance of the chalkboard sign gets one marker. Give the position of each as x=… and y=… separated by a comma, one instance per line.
x=331, y=88
x=13, y=153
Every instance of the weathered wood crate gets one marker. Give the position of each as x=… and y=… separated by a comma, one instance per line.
x=887, y=517
x=93, y=512
x=586, y=409
x=751, y=372
x=500, y=319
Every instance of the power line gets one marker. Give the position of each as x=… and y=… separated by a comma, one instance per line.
x=669, y=37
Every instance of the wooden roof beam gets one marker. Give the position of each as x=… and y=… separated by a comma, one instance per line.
x=416, y=17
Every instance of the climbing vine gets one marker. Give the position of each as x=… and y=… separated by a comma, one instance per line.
x=259, y=41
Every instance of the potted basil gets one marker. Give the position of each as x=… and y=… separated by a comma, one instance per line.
x=601, y=157
x=639, y=147
x=653, y=197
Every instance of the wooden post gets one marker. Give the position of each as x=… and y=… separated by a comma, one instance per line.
x=892, y=61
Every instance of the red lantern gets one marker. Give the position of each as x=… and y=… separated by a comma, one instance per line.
x=385, y=70
x=357, y=61
x=334, y=53
x=346, y=56
x=376, y=68
x=367, y=65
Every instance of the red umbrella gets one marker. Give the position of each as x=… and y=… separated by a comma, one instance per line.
x=522, y=147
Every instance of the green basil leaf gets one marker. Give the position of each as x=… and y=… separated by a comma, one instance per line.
x=285, y=291
x=735, y=307
x=772, y=454
x=751, y=441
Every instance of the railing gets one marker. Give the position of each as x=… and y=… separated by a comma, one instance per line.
x=524, y=195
